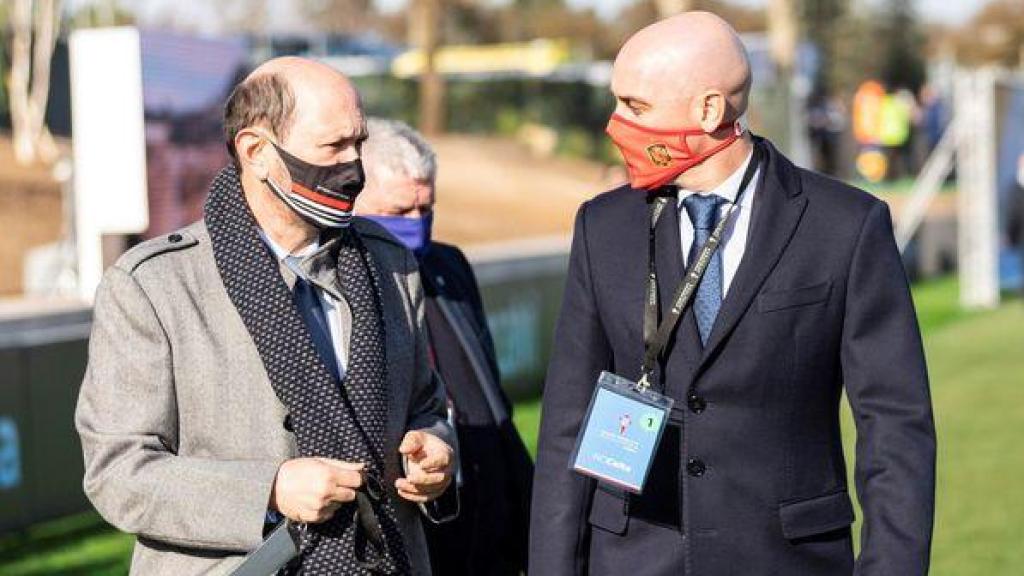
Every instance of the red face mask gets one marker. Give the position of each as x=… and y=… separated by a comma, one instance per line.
x=656, y=157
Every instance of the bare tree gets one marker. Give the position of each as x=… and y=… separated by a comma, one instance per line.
x=783, y=33
x=342, y=16
x=668, y=8
x=243, y=15
x=425, y=28
x=35, y=25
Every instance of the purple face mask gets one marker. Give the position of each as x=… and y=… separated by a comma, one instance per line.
x=414, y=232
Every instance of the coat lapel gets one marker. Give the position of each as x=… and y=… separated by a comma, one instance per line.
x=778, y=208
x=459, y=321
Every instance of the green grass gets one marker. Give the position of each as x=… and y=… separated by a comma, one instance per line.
x=78, y=545
x=899, y=187
x=527, y=419
x=938, y=304
x=976, y=367
x=976, y=363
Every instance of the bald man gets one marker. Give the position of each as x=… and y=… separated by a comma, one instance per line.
x=269, y=363
x=752, y=293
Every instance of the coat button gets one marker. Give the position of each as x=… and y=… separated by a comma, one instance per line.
x=174, y=238
x=696, y=403
x=696, y=468
x=288, y=423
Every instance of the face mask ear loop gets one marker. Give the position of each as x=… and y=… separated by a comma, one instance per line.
x=685, y=145
x=277, y=190
x=737, y=129
x=268, y=180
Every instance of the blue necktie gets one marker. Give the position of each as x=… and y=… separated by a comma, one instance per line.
x=312, y=312
x=703, y=212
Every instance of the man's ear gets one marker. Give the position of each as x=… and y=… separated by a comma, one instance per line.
x=713, y=110
x=250, y=147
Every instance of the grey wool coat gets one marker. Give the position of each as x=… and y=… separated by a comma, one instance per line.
x=181, y=430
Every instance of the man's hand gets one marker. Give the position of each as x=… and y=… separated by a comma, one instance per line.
x=312, y=489
x=429, y=467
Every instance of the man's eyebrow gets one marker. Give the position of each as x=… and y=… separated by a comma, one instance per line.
x=631, y=100
x=398, y=206
x=342, y=140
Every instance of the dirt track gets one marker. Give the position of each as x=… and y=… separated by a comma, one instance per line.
x=491, y=190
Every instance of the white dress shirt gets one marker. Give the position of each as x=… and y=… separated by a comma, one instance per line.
x=734, y=239
x=329, y=303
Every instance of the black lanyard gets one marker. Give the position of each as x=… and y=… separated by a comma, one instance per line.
x=655, y=342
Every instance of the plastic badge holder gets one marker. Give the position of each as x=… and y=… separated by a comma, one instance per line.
x=621, y=432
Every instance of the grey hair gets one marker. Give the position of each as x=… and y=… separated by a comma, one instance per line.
x=396, y=147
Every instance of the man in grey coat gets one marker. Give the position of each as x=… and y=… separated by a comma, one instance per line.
x=269, y=361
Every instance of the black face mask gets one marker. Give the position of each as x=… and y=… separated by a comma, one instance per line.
x=323, y=195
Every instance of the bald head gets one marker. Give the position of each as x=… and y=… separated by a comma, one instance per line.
x=675, y=61
x=688, y=75
x=306, y=107
x=316, y=86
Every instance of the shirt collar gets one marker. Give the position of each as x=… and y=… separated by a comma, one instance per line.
x=730, y=187
x=280, y=253
x=317, y=262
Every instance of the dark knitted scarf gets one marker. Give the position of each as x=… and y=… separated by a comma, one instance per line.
x=343, y=420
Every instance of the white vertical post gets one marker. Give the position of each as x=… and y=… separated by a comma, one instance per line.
x=109, y=142
x=978, y=235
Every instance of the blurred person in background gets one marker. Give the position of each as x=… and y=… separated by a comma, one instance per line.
x=899, y=109
x=933, y=117
x=826, y=121
x=806, y=297
x=489, y=536
x=269, y=360
x=1015, y=230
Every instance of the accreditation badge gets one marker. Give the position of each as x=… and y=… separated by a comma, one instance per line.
x=620, y=434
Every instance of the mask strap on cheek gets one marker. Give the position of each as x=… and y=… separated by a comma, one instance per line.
x=273, y=146
x=275, y=187
x=297, y=169
x=686, y=145
x=737, y=131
